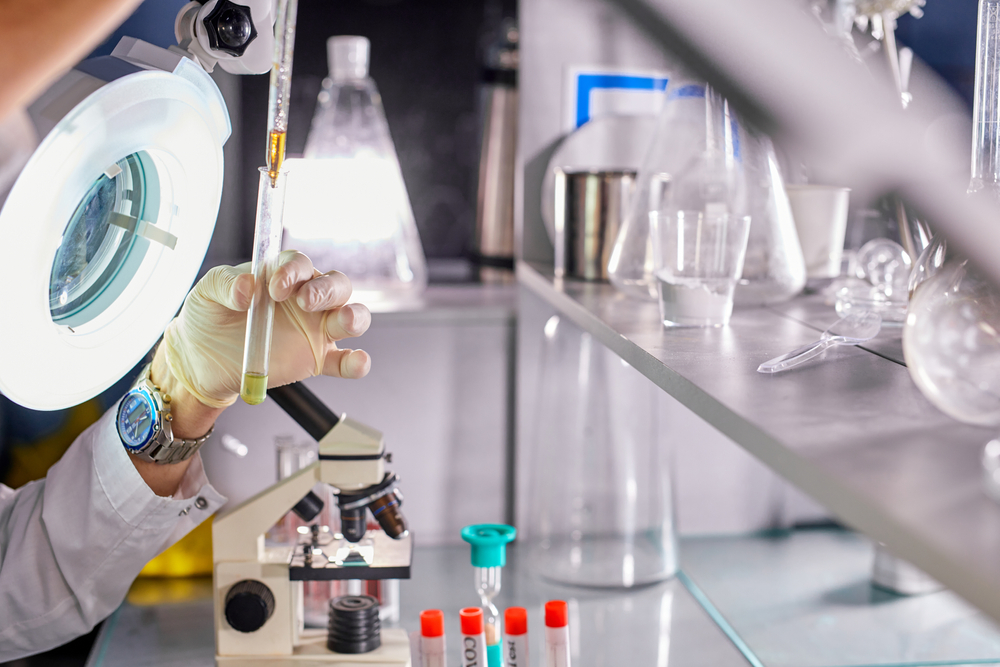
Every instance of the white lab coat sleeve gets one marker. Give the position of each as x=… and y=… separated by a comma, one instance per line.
x=72, y=543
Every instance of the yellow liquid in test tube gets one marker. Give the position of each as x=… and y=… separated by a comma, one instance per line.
x=275, y=154
x=254, y=388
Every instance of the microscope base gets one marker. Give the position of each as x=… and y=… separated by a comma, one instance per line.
x=312, y=652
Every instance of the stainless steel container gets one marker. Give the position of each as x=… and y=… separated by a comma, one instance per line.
x=590, y=207
x=494, y=234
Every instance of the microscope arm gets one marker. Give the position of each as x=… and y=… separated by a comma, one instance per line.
x=351, y=458
x=238, y=535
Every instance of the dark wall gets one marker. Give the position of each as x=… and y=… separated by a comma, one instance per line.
x=945, y=39
x=424, y=59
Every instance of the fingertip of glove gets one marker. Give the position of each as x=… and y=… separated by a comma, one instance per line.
x=243, y=291
x=356, y=364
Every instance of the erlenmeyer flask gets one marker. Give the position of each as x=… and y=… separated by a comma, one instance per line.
x=774, y=269
x=599, y=492
x=347, y=205
x=685, y=129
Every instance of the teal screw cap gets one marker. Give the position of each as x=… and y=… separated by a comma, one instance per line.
x=489, y=543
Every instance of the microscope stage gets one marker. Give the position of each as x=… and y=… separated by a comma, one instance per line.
x=384, y=558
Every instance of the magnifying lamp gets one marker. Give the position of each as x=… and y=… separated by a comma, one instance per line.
x=104, y=231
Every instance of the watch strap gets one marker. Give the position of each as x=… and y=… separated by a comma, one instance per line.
x=165, y=448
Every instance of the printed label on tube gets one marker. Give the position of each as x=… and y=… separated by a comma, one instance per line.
x=516, y=654
x=474, y=650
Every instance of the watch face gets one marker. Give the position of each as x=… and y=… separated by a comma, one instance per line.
x=136, y=419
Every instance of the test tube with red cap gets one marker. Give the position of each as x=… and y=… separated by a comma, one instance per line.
x=473, y=637
x=432, y=646
x=556, y=634
x=515, y=625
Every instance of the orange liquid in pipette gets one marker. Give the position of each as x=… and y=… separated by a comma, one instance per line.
x=275, y=154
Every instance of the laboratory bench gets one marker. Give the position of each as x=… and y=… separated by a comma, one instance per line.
x=781, y=599
x=850, y=429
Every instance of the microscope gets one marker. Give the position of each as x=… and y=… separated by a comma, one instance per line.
x=258, y=594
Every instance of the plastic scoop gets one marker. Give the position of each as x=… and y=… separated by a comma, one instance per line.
x=854, y=329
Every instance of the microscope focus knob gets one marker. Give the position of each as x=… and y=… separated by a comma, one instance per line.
x=229, y=27
x=249, y=604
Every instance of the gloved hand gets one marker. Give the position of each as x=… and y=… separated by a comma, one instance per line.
x=203, y=345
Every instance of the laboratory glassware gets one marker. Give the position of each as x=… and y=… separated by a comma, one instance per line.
x=489, y=554
x=515, y=625
x=700, y=224
x=590, y=206
x=928, y=263
x=473, y=637
x=820, y=214
x=350, y=210
x=986, y=104
x=854, y=329
x=951, y=342
x=599, y=486
x=681, y=133
x=878, y=281
x=774, y=269
x=270, y=201
x=556, y=634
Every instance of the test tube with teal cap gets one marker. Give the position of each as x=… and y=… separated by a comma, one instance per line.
x=489, y=554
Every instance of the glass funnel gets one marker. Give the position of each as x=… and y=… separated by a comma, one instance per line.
x=347, y=205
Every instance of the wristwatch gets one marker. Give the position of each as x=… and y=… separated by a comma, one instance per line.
x=144, y=424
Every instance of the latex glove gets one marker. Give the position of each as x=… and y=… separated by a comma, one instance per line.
x=203, y=345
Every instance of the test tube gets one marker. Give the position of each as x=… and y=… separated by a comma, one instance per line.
x=270, y=200
x=432, y=645
x=473, y=637
x=556, y=634
x=515, y=624
x=267, y=246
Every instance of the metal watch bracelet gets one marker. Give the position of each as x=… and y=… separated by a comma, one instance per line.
x=167, y=450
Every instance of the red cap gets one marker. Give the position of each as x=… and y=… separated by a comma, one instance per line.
x=432, y=623
x=472, y=620
x=555, y=614
x=515, y=621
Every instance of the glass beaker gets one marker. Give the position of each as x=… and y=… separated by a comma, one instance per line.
x=774, y=269
x=680, y=135
x=347, y=205
x=699, y=232
x=599, y=491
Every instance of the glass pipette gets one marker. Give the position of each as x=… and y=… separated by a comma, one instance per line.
x=270, y=200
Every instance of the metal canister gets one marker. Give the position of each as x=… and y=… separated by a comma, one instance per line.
x=494, y=233
x=590, y=208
